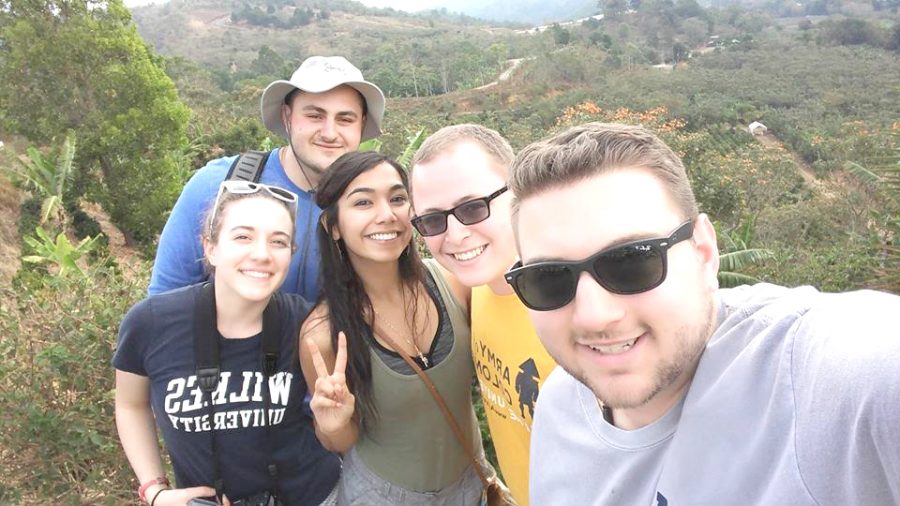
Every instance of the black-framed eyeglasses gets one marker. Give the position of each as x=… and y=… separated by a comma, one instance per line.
x=239, y=187
x=469, y=212
x=626, y=269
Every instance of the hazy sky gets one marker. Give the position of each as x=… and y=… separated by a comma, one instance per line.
x=404, y=5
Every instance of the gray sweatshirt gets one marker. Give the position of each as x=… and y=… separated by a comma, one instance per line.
x=796, y=401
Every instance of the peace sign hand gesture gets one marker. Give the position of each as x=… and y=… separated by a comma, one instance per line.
x=332, y=402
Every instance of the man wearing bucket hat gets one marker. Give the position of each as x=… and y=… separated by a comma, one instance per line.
x=325, y=110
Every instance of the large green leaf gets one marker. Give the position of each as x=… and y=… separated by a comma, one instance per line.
x=737, y=260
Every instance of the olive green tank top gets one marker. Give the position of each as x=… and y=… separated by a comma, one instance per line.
x=410, y=444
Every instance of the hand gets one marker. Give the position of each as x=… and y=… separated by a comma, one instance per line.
x=180, y=496
x=332, y=403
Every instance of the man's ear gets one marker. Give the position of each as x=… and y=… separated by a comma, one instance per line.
x=285, y=116
x=707, y=247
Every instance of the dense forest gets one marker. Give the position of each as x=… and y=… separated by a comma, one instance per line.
x=105, y=113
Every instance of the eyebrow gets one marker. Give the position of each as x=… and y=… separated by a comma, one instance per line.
x=461, y=200
x=315, y=108
x=621, y=241
x=253, y=229
x=363, y=189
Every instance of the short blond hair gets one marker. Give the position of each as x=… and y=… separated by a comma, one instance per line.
x=586, y=150
x=490, y=141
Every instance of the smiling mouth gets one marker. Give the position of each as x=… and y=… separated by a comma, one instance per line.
x=384, y=236
x=256, y=274
x=468, y=255
x=613, y=349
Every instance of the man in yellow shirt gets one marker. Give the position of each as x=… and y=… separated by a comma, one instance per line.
x=463, y=211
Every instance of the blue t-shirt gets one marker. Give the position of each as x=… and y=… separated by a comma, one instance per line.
x=156, y=340
x=179, y=254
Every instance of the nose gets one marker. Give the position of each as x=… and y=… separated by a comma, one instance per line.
x=456, y=231
x=386, y=213
x=594, y=309
x=328, y=130
x=260, y=250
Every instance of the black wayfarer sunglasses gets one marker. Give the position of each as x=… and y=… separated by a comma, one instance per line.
x=626, y=269
x=469, y=212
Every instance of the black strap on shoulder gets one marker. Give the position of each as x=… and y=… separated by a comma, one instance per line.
x=206, y=343
x=248, y=166
x=207, y=367
x=271, y=337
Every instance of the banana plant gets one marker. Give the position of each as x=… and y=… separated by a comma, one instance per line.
x=884, y=178
x=60, y=251
x=738, y=255
x=413, y=143
x=48, y=176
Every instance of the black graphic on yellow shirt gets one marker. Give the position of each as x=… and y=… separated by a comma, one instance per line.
x=527, y=386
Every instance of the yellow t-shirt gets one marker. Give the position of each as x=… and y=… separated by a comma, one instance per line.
x=511, y=364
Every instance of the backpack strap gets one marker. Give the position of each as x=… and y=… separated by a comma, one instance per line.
x=207, y=366
x=248, y=166
x=271, y=337
x=206, y=343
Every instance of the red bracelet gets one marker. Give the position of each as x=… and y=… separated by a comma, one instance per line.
x=142, y=490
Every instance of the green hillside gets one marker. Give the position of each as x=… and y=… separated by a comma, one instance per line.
x=112, y=115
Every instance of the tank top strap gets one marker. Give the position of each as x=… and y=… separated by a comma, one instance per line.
x=458, y=315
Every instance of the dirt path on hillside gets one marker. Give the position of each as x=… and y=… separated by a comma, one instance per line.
x=770, y=141
x=129, y=259
x=10, y=205
x=514, y=64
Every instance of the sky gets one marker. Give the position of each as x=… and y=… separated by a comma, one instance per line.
x=403, y=5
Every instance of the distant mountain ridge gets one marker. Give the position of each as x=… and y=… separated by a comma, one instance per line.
x=535, y=12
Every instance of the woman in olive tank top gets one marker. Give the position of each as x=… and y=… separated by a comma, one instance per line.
x=368, y=403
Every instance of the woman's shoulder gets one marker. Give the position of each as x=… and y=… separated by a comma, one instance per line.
x=166, y=303
x=460, y=293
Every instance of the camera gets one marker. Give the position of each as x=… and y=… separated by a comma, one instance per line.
x=260, y=499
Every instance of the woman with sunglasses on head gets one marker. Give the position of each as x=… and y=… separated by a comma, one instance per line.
x=379, y=304
x=216, y=365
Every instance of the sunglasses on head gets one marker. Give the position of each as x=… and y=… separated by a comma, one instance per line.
x=469, y=212
x=238, y=187
x=626, y=269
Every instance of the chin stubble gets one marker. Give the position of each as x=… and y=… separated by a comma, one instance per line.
x=692, y=341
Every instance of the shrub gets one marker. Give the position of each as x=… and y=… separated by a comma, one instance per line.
x=57, y=390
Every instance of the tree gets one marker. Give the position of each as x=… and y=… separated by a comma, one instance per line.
x=268, y=63
x=80, y=65
x=679, y=52
x=560, y=35
x=613, y=9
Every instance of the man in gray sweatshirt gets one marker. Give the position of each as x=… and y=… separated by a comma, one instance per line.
x=670, y=390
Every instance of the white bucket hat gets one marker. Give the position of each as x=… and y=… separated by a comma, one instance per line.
x=318, y=74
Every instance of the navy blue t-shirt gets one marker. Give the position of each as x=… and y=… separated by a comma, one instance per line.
x=156, y=340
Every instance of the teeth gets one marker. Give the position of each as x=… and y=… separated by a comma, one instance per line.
x=387, y=236
x=614, y=349
x=468, y=255
x=257, y=274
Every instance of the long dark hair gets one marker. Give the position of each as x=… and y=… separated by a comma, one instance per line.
x=349, y=307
